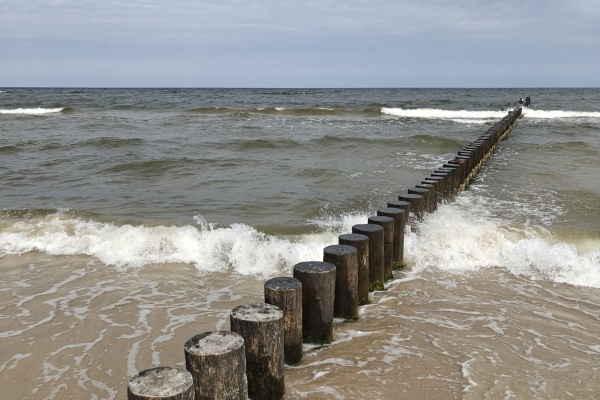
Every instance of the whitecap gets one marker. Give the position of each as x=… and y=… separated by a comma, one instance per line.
x=32, y=111
x=432, y=113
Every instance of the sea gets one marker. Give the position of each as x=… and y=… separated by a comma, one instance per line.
x=134, y=219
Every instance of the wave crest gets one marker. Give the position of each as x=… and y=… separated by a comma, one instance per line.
x=456, y=241
x=32, y=111
x=238, y=248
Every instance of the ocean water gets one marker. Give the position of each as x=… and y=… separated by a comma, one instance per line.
x=133, y=219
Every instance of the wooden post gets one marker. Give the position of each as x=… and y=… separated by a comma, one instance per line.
x=416, y=207
x=404, y=205
x=361, y=243
x=318, y=296
x=425, y=193
x=217, y=362
x=388, y=243
x=375, y=234
x=398, y=243
x=445, y=184
x=161, y=383
x=435, y=184
x=286, y=293
x=261, y=326
x=345, y=259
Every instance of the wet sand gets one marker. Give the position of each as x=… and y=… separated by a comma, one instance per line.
x=484, y=336
x=74, y=328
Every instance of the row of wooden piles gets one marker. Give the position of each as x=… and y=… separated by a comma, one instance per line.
x=249, y=360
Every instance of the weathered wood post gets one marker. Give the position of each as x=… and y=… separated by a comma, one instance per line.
x=435, y=184
x=423, y=193
x=387, y=223
x=361, y=243
x=376, y=236
x=445, y=184
x=457, y=168
x=404, y=205
x=286, y=293
x=452, y=179
x=345, y=259
x=217, y=362
x=416, y=207
x=161, y=383
x=430, y=193
x=318, y=296
x=261, y=326
x=398, y=244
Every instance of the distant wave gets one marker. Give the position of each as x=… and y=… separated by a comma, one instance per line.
x=553, y=114
x=32, y=111
x=114, y=142
x=316, y=111
x=8, y=149
x=482, y=117
x=460, y=116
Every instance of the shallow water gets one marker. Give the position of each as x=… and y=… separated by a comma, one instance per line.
x=133, y=219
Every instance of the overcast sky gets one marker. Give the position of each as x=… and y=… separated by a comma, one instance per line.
x=309, y=43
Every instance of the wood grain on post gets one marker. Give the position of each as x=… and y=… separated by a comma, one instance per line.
x=435, y=183
x=217, y=362
x=375, y=234
x=387, y=223
x=361, y=243
x=431, y=194
x=161, y=383
x=425, y=193
x=416, y=207
x=444, y=185
x=398, y=244
x=345, y=259
x=286, y=293
x=261, y=326
x=318, y=296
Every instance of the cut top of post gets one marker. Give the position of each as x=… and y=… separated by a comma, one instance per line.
x=283, y=284
x=367, y=228
x=315, y=267
x=340, y=249
x=161, y=382
x=410, y=196
x=389, y=211
x=352, y=237
x=214, y=343
x=257, y=312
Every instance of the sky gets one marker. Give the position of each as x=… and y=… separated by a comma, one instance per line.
x=309, y=43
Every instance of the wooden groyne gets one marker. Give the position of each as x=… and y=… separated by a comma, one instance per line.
x=248, y=361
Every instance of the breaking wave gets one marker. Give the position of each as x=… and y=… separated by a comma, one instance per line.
x=33, y=111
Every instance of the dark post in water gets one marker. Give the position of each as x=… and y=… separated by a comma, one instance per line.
x=261, y=326
x=286, y=293
x=217, y=362
x=318, y=296
x=345, y=259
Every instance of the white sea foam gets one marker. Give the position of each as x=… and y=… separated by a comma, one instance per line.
x=462, y=116
x=238, y=248
x=458, y=239
x=32, y=111
x=556, y=114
